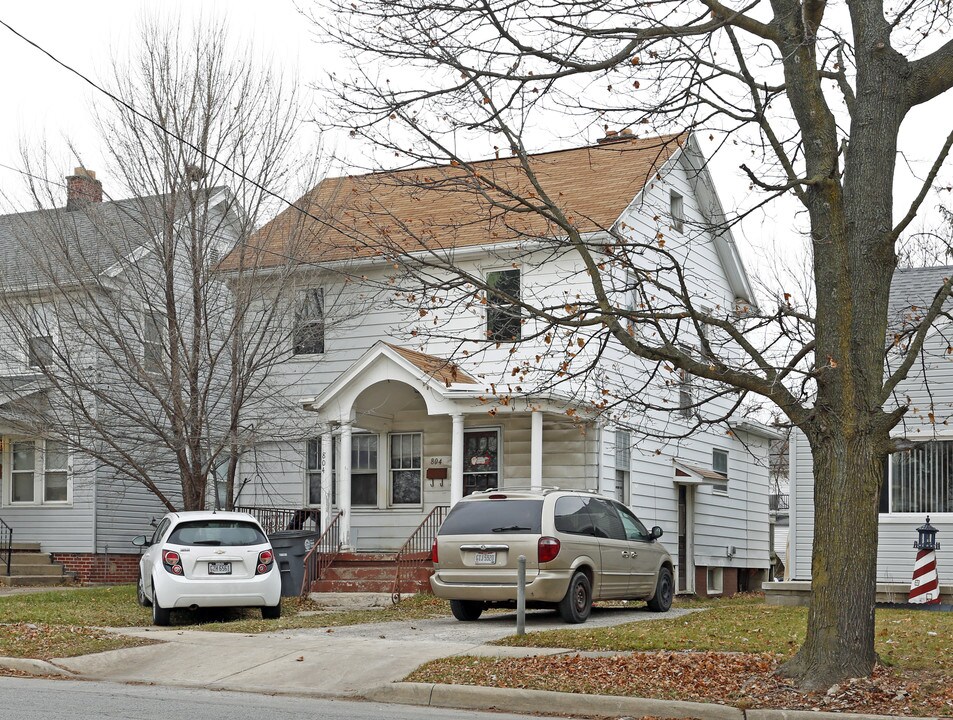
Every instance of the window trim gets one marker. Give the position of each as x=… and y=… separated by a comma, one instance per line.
x=623, y=475
x=39, y=474
x=715, y=588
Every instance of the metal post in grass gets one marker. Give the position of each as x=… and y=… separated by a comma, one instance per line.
x=521, y=596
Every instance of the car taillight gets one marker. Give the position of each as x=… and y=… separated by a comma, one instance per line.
x=433, y=552
x=547, y=549
x=265, y=561
x=172, y=562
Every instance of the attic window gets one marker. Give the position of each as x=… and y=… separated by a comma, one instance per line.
x=309, y=323
x=39, y=350
x=677, y=210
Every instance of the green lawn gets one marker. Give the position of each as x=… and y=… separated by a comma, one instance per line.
x=908, y=639
x=64, y=623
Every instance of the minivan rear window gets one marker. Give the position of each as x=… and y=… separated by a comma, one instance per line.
x=217, y=532
x=495, y=517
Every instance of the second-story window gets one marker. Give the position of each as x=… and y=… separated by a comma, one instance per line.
x=39, y=350
x=309, y=322
x=502, y=310
x=153, y=341
x=677, y=210
x=719, y=463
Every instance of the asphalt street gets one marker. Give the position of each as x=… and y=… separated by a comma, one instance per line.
x=37, y=699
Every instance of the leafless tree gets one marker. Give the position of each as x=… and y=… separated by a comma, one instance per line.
x=818, y=94
x=155, y=362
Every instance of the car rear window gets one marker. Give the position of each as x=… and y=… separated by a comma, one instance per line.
x=217, y=532
x=495, y=517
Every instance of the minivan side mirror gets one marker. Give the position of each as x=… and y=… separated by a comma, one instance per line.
x=656, y=532
x=140, y=541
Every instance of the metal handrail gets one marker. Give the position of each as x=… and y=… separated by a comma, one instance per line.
x=416, y=551
x=6, y=543
x=277, y=519
x=320, y=557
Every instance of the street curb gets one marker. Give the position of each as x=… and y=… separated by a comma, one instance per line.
x=472, y=697
x=34, y=667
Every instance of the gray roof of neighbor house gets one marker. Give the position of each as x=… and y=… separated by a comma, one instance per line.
x=46, y=247
x=911, y=292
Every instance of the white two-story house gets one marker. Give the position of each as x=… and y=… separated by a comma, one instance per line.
x=83, y=337
x=405, y=408
x=918, y=482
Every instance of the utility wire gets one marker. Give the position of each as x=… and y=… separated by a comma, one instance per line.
x=187, y=143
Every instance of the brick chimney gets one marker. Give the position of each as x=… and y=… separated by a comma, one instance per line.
x=616, y=136
x=82, y=188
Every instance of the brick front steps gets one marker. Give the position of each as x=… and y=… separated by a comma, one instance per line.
x=371, y=573
x=29, y=567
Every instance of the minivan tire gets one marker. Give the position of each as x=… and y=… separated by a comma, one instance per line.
x=466, y=610
x=577, y=603
x=661, y=601
x=160, y=615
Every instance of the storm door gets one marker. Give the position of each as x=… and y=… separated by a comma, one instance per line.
x=481, y=460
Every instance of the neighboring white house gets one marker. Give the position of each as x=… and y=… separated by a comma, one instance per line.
x=403, y=430
x=83, y=512
x=917, y=482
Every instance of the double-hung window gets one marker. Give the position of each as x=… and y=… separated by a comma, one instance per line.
x=719, y=463
x=503, y=316
x=313, y=472
x=39, y=472
x=406, y=473
x=309, y=322
x=39, y=341
x=920, y=480
x=686, y=389
x=364, y=469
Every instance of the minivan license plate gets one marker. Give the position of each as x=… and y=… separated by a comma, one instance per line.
x=485, y=558
x=219, y=568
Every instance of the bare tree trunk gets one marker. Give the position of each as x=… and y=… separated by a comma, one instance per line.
x=848, y=472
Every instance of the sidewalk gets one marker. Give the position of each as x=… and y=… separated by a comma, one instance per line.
x=369, y=661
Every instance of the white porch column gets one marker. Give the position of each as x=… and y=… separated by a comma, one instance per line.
x=536, y=450
x=327, y=478
x=456, y=460
x=344, y=485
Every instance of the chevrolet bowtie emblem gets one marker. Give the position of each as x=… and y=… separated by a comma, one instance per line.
x=219, y=552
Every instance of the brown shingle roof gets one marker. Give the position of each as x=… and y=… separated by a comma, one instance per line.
x=453, y=206
x=437, y=368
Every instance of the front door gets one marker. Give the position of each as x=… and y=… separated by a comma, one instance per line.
x=686, y=565
x=481, y=460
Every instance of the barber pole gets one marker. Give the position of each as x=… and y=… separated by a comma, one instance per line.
x=925, y=588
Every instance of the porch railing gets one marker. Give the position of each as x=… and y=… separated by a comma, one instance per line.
x=779, y=502
x=416, y=551
x=320, y=557
x=275, y=519
x=6, y=544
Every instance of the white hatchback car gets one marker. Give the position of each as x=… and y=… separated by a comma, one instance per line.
x=208, y=559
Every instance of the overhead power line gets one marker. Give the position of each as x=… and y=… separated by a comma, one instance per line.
x=118, y=100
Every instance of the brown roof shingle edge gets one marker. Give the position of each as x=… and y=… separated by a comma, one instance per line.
x=437, y=368
x=442, y=207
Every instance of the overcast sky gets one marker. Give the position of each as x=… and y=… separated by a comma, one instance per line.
x=41, y=99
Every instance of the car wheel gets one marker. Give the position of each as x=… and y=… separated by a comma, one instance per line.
x=271, y=612
x=141, y=594
x=160, y=615
x=466, y=610
x=577, y=604
x=661, y=601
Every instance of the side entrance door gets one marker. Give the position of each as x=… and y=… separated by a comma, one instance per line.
x=685, y=582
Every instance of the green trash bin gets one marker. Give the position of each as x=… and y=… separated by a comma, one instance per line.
x=290, y=548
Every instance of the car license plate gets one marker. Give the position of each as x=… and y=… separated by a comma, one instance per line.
x=485, y=558
x=219, y=568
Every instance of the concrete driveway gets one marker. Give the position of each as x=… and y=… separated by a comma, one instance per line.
x=348, y=661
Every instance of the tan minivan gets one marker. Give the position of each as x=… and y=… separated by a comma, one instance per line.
x=579, y=547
